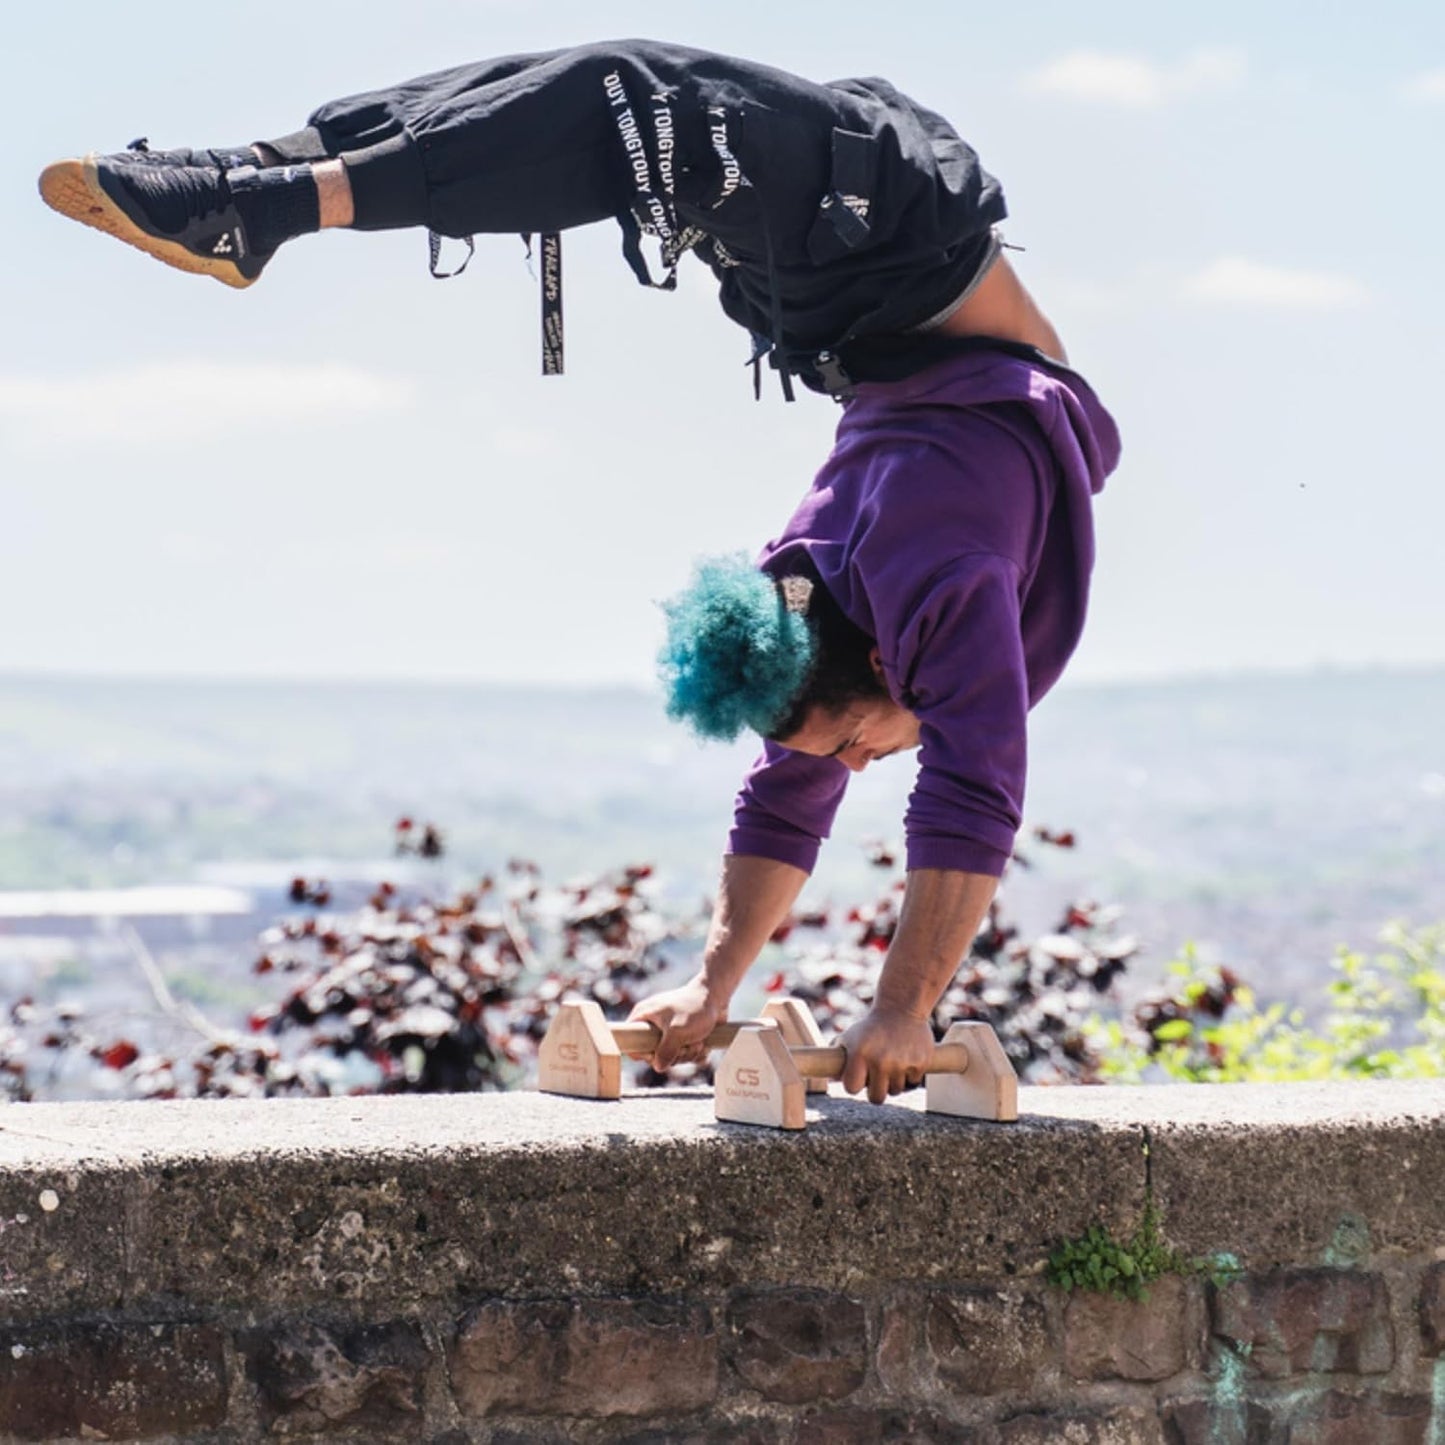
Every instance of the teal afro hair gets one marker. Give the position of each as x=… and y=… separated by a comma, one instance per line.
x=734, y=657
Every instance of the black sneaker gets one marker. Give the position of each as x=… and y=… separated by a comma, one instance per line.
x=181, y=214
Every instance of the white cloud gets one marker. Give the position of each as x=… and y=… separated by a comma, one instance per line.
x=178, y=402
x=1234, y=280
x=1133, y=82
x=1427, y=88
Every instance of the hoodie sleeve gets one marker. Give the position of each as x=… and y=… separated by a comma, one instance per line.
x=786, y=806
x=959, y=664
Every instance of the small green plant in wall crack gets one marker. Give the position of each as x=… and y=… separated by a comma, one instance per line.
x=1097, y=1261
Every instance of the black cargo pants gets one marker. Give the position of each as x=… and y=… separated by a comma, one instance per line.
x=832, y=215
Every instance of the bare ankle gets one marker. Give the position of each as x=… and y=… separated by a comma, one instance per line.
x=333, y=190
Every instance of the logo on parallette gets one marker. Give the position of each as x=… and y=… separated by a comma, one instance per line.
x=748, y=1084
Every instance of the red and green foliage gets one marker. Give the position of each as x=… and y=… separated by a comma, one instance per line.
x=410, y=993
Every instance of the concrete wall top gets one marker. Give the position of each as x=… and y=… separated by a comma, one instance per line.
x=428, y=1199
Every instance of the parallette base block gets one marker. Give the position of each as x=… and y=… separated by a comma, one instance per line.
x=757, y=1081
x=579, y=1056
x=987, y=1089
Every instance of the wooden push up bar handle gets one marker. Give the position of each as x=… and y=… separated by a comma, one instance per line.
x=643, y=1038
x=813, y=1062
x=829, y=1063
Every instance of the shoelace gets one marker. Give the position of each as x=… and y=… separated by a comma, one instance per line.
x=222, y=160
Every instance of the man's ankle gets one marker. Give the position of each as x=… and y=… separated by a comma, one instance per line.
x=333, y=192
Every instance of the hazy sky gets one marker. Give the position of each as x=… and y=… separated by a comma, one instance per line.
x=1234, y=214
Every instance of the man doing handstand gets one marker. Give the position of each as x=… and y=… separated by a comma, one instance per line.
x=932, y=584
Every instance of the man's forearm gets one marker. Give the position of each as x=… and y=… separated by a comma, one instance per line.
x=754, y=897
x=942, y=912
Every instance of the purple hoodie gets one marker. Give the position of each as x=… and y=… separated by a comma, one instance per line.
x=953, y=524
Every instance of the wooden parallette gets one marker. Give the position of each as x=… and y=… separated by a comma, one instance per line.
x=762, y=1081
x=581, y=1054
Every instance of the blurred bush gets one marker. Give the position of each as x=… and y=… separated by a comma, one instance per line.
x=411, y=993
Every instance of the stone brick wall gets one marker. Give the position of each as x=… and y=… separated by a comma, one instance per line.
x=439, y=1271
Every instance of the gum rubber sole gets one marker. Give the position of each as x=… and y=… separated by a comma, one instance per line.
x=73, y=188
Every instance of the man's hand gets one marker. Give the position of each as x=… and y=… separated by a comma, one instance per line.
x=890, y=1048
x=686, y=1016
x=888, y=1051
